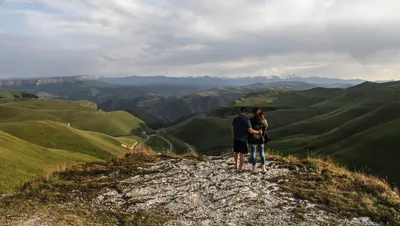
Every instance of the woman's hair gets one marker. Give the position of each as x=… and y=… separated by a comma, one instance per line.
x=256, y=110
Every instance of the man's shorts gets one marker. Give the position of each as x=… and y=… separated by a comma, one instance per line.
x=240, y=146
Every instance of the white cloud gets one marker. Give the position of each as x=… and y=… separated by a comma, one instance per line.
x=224, y=38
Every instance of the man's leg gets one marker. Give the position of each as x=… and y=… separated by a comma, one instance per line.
x=237, y=155
x=242, y=158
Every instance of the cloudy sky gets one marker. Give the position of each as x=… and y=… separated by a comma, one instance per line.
x=331, y=38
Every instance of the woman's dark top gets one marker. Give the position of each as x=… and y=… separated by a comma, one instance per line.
x=257, y=124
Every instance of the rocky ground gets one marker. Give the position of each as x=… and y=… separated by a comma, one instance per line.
x=209, y=192
x=213, y=193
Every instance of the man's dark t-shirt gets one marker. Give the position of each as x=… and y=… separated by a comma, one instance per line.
x=241, y=124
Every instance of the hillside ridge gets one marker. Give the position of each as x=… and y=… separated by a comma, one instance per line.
x=146, y=188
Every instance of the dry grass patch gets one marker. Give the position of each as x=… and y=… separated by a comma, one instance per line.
x=338, y=190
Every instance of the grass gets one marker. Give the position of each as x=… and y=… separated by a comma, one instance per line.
x=11, y=95
x=203, y=132
x=338, y=190
x=55, y=135
x=21, y=160
x=157, y=143
x=179, y=146
x=60, y=105
x=287, y=99
x=35, y=137
x=80, y=114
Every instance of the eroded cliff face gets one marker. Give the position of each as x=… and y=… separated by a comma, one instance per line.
x=192, y=192
x=44, y=81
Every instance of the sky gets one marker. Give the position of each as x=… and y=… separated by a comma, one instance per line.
x=236, y=38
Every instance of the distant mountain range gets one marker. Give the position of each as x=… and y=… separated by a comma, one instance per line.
x=166, y=85
x=161, y=100
x=207, y=82
x=87, y=88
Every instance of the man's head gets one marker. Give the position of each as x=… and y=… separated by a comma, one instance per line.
x=243, y=111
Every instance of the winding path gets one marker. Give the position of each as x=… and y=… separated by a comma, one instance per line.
x=190, y=147
x=171, y=146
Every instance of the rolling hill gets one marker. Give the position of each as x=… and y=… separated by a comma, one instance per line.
x=160, y=110
x=35, y=137
x=21, y=161
x=12, y=95
x=159, y=101
x=80, y=114
x=357, y=125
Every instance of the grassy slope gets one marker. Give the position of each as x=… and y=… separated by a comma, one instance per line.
x=205, y=133
x=357, y=125
x=37, y=130
x=287, y=99
x=179, y=146
x=21, y=160
x=51, y=134
x=81, y=114
x=157, y=143
x=6, y=95
x=374, y=148
x=215, y=131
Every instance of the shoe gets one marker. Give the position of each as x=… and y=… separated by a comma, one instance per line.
x=254, y=168
x=263, y=168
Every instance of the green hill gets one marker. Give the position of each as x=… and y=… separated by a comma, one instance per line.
x=35, y=137
x=80, y=114
x=357, y=125
x=11, y=95
x=21, y=160
x=55, y=135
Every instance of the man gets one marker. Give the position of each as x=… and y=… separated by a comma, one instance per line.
x=241, y=128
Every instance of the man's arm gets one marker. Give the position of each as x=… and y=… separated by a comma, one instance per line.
x=252, y=131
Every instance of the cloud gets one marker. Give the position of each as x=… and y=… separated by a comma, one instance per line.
x=178, y=37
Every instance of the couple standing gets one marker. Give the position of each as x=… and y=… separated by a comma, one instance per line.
x=249, y=131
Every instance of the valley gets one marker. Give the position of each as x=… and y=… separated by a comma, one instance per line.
x=100, y=153
x=152, y=98
x=357, y=126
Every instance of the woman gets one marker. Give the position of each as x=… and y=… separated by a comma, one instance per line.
x=256, y=141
